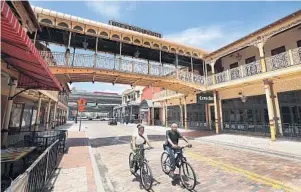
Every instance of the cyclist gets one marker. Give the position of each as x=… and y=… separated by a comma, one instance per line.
x=139, y=139
x=172, y=137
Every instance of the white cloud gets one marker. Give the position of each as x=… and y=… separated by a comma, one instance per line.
x=211, y=37
x=111, y=9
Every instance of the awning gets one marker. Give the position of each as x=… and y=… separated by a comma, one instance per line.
x=145, y=104
x=20, y=53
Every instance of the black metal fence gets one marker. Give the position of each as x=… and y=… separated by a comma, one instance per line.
x=34, y=179
x=246, y=128
x=39, y=139
x=291, y=130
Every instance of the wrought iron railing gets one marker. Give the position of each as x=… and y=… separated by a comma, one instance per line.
x=200, y=125
x=37, y=175
x=291, y=130
x=236, y=127
x=279, y=61
x=120, y=64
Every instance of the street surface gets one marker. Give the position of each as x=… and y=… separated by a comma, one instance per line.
x=218, y=168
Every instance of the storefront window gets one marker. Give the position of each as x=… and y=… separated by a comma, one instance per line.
x=16, y=113
x=26, y=119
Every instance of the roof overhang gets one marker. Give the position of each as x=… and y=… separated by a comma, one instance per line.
x=20, y=54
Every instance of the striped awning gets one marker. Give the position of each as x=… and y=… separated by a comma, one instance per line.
x=20, y=54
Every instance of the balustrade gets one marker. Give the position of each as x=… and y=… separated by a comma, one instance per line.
x=278, y=61
x=275, y=62
x=113, y=63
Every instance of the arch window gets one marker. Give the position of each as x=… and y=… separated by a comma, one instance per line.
x=79, y=28
x=62, y=24
x=91, y=31
x=48, y=21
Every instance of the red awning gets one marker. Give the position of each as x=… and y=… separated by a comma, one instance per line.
x=20, y=53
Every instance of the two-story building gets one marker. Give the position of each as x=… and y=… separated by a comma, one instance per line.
x=31, y=96
x=128, y=111
x=149, y=112
x=253, y=85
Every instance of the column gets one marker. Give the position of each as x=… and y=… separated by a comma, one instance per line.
x=191, y=64
x=261, y=54
x=177, y=69
x=54, y=114
x=213, y=72
x=181, y=113
x=166, y=114
x=153, y=114
x=273, y=120
x=37, y=121
x=48, y=114
x=217, y=110
x=4, y=132
x=131, y=114
x=185, y=113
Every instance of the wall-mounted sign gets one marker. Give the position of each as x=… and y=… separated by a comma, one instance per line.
x=204, y=98
x=134, y=28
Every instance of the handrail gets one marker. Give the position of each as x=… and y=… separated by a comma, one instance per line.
x=127, y=65
x=36, y=176
x=286, y=59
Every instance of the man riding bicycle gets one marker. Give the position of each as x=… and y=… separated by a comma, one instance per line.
x=172, y=137
x=139, y=139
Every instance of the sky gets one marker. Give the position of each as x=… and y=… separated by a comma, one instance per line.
x=207, y=25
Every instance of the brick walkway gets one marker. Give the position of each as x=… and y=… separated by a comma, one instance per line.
x=75, y=171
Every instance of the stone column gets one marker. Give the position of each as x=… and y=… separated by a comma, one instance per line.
x=153, y=114
x=166, y=114
x=261, y=54
x=217, y=110
x=181, y=113
x=185, y=113
x=37, y=121
x=54, y=114
x=273, y=119
x=48, y=114
x=4, y=131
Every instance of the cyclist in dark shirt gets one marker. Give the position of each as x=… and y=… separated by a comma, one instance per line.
x=173, y=137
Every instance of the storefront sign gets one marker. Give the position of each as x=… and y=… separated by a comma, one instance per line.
x=204, y=98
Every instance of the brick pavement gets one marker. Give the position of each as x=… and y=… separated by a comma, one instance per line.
x=75, y=172
x=218, y=168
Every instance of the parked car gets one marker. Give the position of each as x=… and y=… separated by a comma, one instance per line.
x=112, y=122
x=90, y=118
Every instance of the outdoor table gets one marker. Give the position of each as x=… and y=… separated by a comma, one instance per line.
x=12, y=154
x=46, y=137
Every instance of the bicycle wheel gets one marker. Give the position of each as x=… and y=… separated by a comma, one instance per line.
x=132, y=163
x=146, y=176
x=165, y=162
x=187, y=174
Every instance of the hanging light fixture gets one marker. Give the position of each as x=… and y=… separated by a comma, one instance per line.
x=85, y=44
x=136, y=54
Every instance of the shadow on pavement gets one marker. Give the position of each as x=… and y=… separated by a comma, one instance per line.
x=108, y=141
x=138, y=179
x=177, y=181
x=54, y=176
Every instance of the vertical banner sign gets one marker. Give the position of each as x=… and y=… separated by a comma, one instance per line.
x=205, y=98
x=81, y=107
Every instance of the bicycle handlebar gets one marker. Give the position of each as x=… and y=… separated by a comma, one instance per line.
x=189, y=146
x=148, y=148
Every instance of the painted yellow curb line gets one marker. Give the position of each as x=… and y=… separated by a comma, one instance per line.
x=250, y=175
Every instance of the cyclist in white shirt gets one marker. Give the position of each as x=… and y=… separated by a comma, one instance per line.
x=139, y=139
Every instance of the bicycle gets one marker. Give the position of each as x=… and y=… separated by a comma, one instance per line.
x=142, y=164
x=182, y=164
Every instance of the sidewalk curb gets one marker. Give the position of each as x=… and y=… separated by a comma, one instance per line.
x=97, y=179
x=271, y=152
